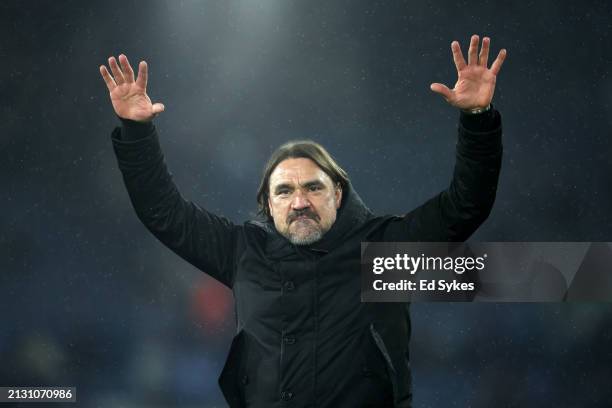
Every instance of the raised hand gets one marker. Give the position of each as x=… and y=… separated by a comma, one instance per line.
x=129, y=96
x=476, y=83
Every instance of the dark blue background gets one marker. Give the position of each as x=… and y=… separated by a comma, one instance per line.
x=90, y=299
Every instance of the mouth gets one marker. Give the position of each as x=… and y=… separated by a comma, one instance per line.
x=303, y=218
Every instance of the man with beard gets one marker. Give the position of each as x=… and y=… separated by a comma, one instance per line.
x=303, y=337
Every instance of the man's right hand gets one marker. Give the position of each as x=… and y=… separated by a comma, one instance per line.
x=128, y=96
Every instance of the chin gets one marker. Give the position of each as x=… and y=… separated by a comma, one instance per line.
x=305, y=237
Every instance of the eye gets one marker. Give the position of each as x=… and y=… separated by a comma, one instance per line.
x=315, y=187
x=282, y=192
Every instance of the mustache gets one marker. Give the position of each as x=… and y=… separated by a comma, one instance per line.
x=302, y=213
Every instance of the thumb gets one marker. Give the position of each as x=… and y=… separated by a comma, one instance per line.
x=441, y=89
x=158, y=108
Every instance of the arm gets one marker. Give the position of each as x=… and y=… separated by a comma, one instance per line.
x=201, y=238
x=454, y=214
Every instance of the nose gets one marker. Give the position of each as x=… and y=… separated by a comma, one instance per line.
x=299, y=201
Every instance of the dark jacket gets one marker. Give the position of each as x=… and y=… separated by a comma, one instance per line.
x=303, y=337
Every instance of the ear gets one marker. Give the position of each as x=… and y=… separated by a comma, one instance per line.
x=338, y=196
x=270, y=206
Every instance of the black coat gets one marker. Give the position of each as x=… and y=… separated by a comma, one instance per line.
x=303, y=337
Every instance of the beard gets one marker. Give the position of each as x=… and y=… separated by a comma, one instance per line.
x=304, y=232
x=304, y=228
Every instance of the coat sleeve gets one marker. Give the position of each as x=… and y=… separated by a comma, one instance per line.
x=203, y=239
x=455, y=213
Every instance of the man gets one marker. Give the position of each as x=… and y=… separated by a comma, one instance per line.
x=303, y=338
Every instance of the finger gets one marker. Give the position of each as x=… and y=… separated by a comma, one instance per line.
x=128, y=72
x=143, y=75
x=158, y=108
x=108, y=79
x=484, y=52
x=442, y=90
x=117, y=74
x=497, y=64
x=457, y=56
x=473, y=51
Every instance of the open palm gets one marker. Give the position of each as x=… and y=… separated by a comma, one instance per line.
x=128, y=95
x=475, y=83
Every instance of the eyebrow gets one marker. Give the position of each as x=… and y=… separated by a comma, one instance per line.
x=312, y=183
x=283, y=186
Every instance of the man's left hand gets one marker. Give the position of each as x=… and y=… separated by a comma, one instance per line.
x=476, y=83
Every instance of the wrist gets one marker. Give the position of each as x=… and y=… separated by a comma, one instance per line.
x=132, y=130
x=477, y=110
x=480, y=122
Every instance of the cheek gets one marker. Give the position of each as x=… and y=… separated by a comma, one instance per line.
x=333, y=202
x=277, y=208
x=328, y=207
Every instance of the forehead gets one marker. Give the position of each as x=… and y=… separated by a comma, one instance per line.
x=297, y=170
